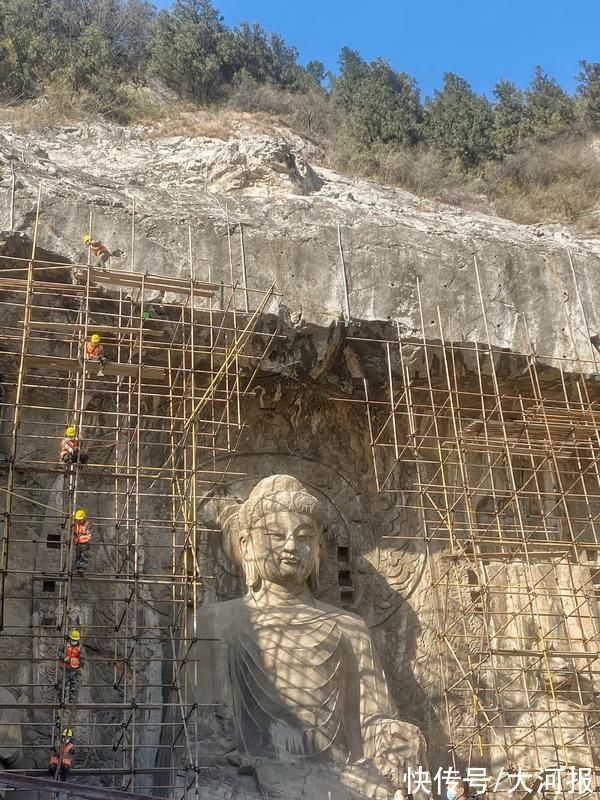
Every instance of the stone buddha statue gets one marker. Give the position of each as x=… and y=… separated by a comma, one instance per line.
x=299, y=679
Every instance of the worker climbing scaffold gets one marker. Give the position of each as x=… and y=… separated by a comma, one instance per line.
x=62, y=756
x=70, y=451
x=82, y=533
x=94, y=352
x=71, y=659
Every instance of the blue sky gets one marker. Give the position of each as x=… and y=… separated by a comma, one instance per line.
x=481, y=40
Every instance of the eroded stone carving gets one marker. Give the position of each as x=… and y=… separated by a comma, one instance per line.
x=299, y=678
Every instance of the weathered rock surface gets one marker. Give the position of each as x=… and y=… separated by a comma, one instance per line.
x=260, y=165
x=391, y=245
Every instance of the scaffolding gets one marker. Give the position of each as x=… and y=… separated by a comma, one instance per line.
x=496, y=455
x=158, y=429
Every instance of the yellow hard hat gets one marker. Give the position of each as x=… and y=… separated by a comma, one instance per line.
x=95, y=338
x=80, y=514
x=87, y=239
x=67, y=733
x=75, y=635
x=70, y=431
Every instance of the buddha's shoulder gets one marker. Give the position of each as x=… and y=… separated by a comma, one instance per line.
x=344, y=618
x=224, y=616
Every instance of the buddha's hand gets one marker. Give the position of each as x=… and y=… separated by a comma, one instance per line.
x=399, y=747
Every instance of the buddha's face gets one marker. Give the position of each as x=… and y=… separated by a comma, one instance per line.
x=284, y=546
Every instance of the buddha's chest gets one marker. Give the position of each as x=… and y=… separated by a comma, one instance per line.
x=292, y=664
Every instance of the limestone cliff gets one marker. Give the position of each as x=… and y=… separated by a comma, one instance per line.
x=291, y=212
x=353, y=263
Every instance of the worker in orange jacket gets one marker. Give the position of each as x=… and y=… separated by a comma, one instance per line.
x=70, y=659
x=61, y=759
x=82, y=534
x=100, y=252
x=95, y=352
x=69, y=447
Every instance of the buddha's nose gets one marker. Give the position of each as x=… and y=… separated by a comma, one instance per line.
x=290, y=545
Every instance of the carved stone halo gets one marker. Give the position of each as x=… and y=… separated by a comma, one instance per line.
x=230, y=524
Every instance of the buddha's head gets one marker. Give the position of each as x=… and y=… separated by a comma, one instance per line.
x=279, y=530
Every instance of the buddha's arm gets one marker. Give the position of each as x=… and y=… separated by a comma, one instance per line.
x=396, y=744
x=375, y=702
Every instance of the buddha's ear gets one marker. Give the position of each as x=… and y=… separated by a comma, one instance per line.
x=313, y=578
x=251, y=574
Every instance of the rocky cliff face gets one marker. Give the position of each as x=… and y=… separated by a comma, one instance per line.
x=351, y=261
x=334, y=247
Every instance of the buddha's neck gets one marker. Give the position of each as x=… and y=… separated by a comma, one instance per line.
x=273, y=594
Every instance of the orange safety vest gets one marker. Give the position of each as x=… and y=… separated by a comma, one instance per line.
x=63, y=756
x=98, y=249
x=68, y=446
x=93, y=350
x=81, y=532
x=73, y=652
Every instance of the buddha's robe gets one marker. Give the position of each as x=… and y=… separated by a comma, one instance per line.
x=299, y=680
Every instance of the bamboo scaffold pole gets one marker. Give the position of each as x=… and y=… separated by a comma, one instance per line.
x=134, y=565
x=196, y=582
x=231, y=355
x=13, y=183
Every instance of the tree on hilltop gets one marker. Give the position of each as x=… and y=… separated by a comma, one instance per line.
x=263, y=56
x=186, y=49
x=382, y=105
x=459, y=122
x=91, y=45
x=509, y=117
x=316, y=70
x=588, y=89
x=549, y=109
x=386, y=109
x=353, y=70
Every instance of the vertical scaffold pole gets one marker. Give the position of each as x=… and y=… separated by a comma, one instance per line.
x=11, y=221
